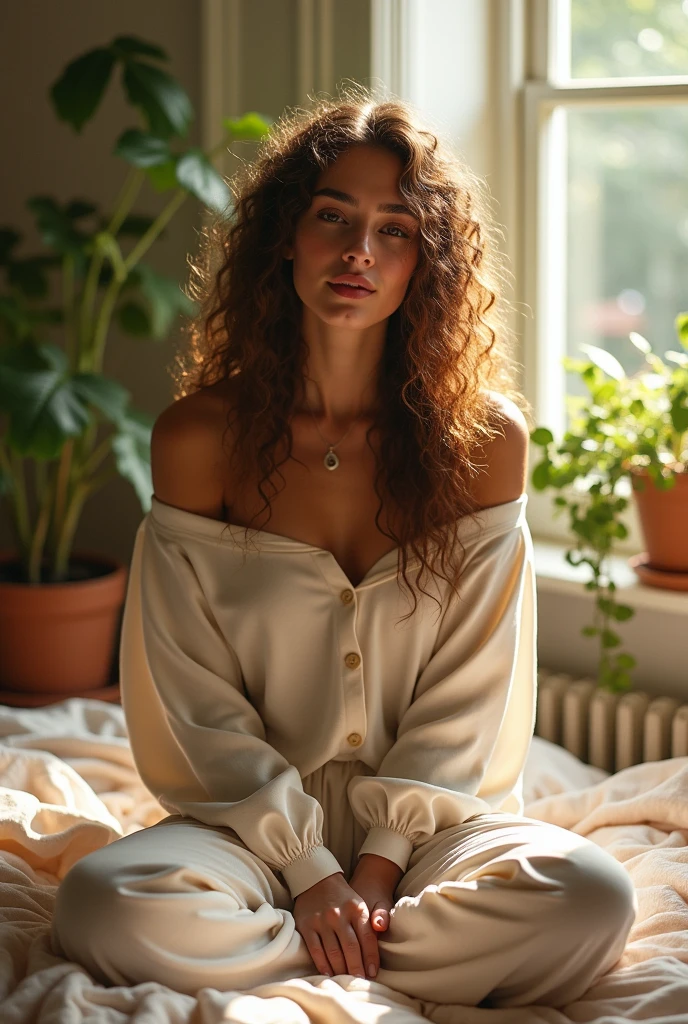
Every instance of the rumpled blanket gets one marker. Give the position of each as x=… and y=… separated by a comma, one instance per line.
x=68, y=786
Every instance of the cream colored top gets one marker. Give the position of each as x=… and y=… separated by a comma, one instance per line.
x=240, y=679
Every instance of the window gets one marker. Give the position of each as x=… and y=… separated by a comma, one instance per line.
x=605, y=197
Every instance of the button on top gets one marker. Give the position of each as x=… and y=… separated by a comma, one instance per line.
x=354, y=739
x=353, y=660
x=347, y=596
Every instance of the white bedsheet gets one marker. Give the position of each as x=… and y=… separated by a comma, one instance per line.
x=68, y=786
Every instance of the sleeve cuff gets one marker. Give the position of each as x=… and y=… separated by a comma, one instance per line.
x=386, y=842
x=305, y=871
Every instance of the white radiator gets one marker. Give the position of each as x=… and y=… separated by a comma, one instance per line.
x=609, y=730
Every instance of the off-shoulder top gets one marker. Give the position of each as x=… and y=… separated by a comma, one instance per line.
x=241, y=673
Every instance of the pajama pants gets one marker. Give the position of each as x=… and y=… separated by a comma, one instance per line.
x=502, y=910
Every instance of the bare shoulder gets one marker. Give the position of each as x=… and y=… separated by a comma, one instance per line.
x=187, y=459
x=504, y=459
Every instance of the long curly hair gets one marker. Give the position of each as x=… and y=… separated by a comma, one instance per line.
x=445, y=345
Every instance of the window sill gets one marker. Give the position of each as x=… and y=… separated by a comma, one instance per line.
x=556, y=576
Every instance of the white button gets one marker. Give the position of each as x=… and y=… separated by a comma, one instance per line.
x=354, y=739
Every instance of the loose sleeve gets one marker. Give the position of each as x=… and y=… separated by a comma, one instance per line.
x=198, y=743
x=461, y=745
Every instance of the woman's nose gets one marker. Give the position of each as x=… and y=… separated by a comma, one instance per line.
x=360, y=248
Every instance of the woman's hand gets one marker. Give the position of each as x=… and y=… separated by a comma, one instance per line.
x=375, y=879
x=334, y=922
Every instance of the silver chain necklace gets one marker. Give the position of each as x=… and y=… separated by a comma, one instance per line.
x=330, y=461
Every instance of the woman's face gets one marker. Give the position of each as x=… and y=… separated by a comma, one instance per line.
x=348, y=233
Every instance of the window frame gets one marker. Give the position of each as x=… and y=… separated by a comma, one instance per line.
x=543, y=329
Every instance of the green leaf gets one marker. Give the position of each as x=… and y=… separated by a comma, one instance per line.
x=136, y=225
x=161, y=99
x=29, y=276
x=625, y=661
x=80, y=88
x=107, y=395
x=622, y=681
x=608, y=363
x=8, y=240
x=131, y=451
x=165, y=300
x=541, y=435
x=540, y=476
x=640, y=343
x=125, y=47
x=250, y=125
x=679, y=412
x=682, y=328
x=141, y=149
x=78, y=208
x=591, y=376
x=133, y=319
x=37, y=392
x=164, y=177
x=15, y=319
x=609, y=639
x=19, y=321
x=197, y=174
x=573, y=365
x=56, y=228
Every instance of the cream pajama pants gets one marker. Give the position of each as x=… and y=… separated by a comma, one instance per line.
x=502, y=910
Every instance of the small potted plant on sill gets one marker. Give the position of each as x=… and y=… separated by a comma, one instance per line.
x=59, y=609
x=634, y=427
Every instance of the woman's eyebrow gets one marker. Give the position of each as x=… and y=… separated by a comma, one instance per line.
x=344, y=197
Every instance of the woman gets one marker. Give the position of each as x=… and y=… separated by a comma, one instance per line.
x=344, y=795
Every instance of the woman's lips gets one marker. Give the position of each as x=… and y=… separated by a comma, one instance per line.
x=349, y=291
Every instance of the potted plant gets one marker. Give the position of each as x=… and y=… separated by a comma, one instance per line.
x=59, y=608
x=629, y=426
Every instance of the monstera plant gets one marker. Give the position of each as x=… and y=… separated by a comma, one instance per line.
x=57, y=307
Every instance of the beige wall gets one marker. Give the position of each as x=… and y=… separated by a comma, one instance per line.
x=271, y=48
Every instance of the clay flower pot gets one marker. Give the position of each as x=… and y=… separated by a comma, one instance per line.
x=57, y=639
x=664, y=521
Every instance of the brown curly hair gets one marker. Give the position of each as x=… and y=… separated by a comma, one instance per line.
x=445, y=345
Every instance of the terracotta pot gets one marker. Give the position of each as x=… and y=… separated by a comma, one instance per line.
x=59, y=637
x=664, y=520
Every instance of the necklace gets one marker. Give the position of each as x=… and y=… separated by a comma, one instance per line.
x=330, y=461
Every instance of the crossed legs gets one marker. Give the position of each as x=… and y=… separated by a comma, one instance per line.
x=502, y=908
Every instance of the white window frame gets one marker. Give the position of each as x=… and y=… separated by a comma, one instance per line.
x=540, y=264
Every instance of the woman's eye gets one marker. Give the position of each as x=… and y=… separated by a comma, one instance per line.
x=393, y=227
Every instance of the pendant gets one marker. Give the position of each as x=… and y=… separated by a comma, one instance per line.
x=331, y=461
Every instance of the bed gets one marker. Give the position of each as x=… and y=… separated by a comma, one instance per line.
x=68, y=785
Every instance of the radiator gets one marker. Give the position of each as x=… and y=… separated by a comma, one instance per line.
x=609, y=730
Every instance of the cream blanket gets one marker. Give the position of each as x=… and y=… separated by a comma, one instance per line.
x=68, y=786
